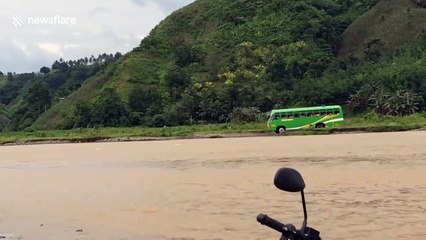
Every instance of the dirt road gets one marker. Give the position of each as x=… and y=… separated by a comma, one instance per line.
x=359, y=186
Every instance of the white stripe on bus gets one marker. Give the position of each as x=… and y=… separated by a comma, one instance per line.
x=334, y=120
x=330, y=121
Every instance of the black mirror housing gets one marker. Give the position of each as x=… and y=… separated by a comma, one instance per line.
x=289, y=180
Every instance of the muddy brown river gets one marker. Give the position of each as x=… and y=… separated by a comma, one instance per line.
x=359, y=186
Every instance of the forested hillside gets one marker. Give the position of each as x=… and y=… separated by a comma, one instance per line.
x=29, y=95
x=214, y=59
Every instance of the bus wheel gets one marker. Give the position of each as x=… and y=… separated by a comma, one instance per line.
x=320, y=125
x=280, y=130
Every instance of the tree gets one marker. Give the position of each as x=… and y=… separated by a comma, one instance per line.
x=241, y=115
x=140, y=99
x=45, y=70
x=176, y=80
x=4, y=118
x=83, y=113
x=144, y=104
x=63, y=66
x=56, y=65
x=361, y=100
x=109, y=110
x=36, y=100
x=117, y=55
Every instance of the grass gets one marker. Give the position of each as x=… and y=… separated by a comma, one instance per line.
x=368, y=123
x=135, y=133
x=376, y=123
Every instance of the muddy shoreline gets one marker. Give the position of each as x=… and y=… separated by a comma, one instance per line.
x=213, y=136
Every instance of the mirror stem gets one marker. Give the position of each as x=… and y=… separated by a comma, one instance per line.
x=305, y=220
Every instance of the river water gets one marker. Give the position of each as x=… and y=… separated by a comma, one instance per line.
x=358, y=186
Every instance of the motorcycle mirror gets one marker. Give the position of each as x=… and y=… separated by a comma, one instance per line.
x=289, y=180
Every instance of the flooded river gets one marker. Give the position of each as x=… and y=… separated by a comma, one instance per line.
x=359, y=186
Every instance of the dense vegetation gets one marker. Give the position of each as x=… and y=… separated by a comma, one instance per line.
x=29, y=95
x=368, y=123
x=216, y=60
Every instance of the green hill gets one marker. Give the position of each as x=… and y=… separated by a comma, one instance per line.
x=29, y=95
x=212, y=58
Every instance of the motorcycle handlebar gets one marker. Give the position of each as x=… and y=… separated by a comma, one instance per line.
x=280, y=227
x=272, y=223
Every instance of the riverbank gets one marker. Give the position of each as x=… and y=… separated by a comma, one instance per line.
x=230, y=130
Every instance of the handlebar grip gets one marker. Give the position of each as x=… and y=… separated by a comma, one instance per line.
x=272, y=223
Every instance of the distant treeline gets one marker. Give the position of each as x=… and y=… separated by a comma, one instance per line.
x=28, y=95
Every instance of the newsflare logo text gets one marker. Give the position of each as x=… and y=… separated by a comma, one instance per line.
x=19, y=20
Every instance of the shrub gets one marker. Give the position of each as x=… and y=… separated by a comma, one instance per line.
x=401, y=103
x=244, y=115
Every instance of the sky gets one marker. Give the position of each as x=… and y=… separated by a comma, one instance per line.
x=36, y=33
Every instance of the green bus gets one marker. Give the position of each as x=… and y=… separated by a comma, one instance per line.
x=282, y=120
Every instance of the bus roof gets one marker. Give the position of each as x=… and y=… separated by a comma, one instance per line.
x=305, y=109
